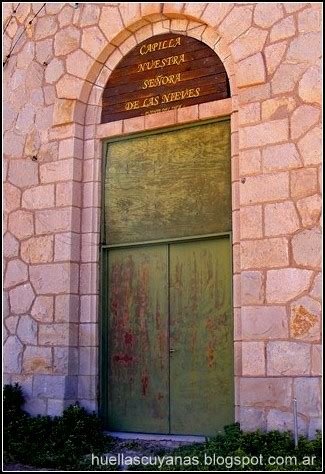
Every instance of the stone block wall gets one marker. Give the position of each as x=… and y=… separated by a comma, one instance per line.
x=57, y=61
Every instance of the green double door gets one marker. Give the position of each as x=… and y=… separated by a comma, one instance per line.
x=167, y=355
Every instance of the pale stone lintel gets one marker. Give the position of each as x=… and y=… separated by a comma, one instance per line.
x=204, y=111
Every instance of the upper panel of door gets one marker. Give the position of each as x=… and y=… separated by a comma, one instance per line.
x=168, y=185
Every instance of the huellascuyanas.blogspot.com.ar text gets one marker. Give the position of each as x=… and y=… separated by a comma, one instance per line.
x=227, y=462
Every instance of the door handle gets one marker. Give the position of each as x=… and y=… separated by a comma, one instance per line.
x=171, y=351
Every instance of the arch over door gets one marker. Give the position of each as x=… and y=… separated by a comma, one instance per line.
x=164, y=72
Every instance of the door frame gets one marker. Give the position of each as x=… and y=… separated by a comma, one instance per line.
x=103, y=259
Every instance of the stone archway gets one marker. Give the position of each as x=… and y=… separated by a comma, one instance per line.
x=95, y=132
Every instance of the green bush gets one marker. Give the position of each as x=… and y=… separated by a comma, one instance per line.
x=238, y=444
x=59, y=442
x=65, y=443
x=13, y=400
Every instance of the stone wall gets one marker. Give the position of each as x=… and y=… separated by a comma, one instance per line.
x=53, y=81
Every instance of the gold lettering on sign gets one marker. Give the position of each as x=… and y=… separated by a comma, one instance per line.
x=161, y=81
x=147, y=102
x=132, y=105
x=151, y=101
x=152, y=47
x=158, y=63
x=180, y=95
x=165, y=100
x=163, y=109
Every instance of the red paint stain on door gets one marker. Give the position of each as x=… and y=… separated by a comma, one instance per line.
x=144, y=384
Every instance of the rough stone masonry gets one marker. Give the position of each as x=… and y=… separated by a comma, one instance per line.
x=53, y=82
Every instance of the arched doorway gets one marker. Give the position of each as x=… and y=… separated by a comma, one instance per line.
x=167, y=355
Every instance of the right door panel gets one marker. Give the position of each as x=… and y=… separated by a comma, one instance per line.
x=201, y=337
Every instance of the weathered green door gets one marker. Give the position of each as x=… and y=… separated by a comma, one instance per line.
x=201, y=361
x=138, y=358
x=167, y=355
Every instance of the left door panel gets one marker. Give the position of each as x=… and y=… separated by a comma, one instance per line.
x=138, y=372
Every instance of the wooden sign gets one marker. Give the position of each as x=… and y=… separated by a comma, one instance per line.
x=164, y=72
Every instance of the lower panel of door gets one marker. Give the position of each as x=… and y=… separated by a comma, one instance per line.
x=170, y=349
x=201, y=335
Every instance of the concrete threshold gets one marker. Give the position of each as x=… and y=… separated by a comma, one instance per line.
x=156, y=437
